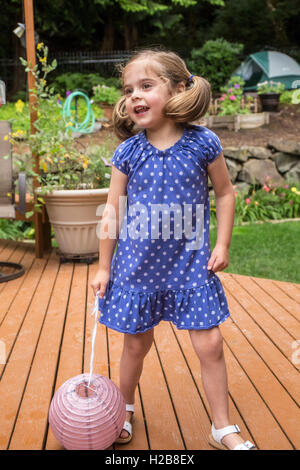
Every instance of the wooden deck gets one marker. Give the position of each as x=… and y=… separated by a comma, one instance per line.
x=46, y=327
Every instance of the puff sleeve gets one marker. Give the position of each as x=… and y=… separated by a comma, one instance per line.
x=121, y=156
x=214, y=146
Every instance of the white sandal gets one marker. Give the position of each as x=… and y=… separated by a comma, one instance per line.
x=216, y=436
x=127, y=427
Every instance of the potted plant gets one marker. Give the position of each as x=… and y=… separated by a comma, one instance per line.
x=269, y=93
x=73, y=180
x=106, y=96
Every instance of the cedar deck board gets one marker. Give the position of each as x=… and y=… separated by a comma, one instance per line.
x=46, y=325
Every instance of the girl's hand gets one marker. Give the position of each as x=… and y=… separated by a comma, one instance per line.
x=219, y=259
x=100, y=282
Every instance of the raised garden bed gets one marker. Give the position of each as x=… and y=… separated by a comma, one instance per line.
x=238, y=121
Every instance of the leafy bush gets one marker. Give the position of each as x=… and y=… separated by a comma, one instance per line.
x=106, y=94
x=286, y=97
x=18, y=116
x=269, y=202
x=83, y=81
x=215, y=61
x=290, y=97
x=16, y=230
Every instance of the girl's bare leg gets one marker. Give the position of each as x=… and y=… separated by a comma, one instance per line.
x=208, y=345
x=135, y=348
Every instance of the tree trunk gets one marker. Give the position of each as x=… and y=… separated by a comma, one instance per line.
x=130, y=33
x=127, y=35
x=108, y=36
x=278, y=24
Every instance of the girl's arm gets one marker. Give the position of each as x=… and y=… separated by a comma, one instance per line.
x=112, y=213
x=225, y=205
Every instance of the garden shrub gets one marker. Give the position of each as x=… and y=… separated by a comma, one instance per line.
x=83, y=81
x=216, y=61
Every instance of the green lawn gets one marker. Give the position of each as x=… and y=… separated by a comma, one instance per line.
x=265, y=250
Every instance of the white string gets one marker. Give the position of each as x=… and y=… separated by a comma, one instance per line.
x=95, y=314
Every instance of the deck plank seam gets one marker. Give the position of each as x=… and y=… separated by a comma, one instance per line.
x=257, y=390
x=170, y=394
x=22, y=322
x=9, y=257
x=33, y=356
x=21, y=280
x=258, y=353
x=247, y=312
x=277, y=301
x=197, y=388
x=277, y=283
x=44, y=443
x=144, y=416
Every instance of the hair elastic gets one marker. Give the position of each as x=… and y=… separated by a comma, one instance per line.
x=191, y=78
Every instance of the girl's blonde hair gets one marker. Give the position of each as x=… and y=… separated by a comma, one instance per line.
x=185, y=107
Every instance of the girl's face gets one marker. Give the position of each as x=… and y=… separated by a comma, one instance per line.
x=146, y=95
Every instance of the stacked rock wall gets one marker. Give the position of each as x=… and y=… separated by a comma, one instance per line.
x=278, y=162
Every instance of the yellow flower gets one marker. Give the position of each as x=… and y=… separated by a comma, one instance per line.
x=293, y=189
x=43, y=82
x=19, y=106
x=85, y=163
x=44, y=166
x=40, y=45
x=69, y=124
x=5, y=137
x=43, y=59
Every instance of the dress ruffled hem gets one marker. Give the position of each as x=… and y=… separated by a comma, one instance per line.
x=194, y=308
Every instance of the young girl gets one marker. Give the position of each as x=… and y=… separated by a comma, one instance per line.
x=163, y=268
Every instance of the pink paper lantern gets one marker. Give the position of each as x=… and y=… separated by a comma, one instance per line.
x=87, y=418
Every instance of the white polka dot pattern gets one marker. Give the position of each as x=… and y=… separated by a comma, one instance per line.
x=165, y=277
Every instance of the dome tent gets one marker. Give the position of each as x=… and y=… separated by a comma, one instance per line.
x=268, y=65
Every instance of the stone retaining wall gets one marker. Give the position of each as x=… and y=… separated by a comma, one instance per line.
x=279, y=162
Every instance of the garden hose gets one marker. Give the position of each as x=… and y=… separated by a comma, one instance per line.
x=86, y=126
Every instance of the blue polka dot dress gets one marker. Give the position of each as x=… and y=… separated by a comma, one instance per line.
x=159, y=269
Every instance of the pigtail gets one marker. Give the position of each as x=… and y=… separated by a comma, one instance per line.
x=191, y=104
x=123, y=125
